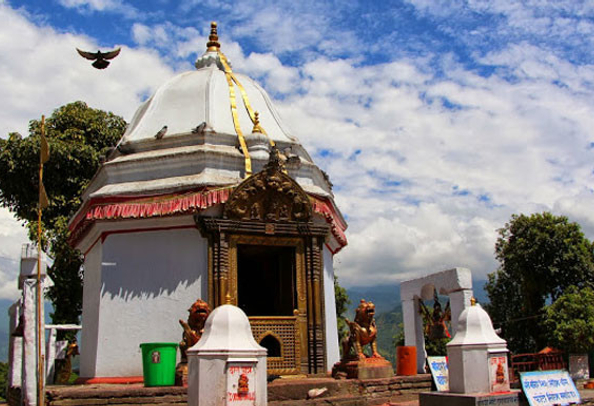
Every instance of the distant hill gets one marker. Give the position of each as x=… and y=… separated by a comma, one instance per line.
x=388, y=325
x=385, y=297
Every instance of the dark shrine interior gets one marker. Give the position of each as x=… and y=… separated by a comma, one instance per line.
x=266, y=280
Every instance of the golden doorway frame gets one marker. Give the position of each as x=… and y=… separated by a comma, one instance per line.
x=291, y=331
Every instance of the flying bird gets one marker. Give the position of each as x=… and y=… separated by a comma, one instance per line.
x=100, y=58
x=161, y=133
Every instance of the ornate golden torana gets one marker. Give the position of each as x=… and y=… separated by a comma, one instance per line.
x=271, y=195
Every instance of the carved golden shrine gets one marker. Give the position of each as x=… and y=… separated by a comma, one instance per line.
x=266, y=256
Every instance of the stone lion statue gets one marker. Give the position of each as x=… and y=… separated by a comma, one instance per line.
x=194, y=327
x=362, y=332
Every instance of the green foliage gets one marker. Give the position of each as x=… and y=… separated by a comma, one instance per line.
x=3, y=379
x=388, y=326
x=78, y=136
x=398, y=338
x=570, y=321
x=342, y=302
x=540, y=256
x=436, y=347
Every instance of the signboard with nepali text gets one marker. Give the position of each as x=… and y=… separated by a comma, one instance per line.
x=439, y=371
x=549, y=388
x=241, y=384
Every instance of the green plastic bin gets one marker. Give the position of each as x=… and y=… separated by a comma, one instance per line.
x=158, y=363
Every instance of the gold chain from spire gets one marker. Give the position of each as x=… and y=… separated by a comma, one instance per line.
x=244, y=96
x=244, y=149
x=214, y=45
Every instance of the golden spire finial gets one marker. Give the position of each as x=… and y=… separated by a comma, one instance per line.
x=257, y=128
x=213, y=38
x=228, y=299
x=472, y=301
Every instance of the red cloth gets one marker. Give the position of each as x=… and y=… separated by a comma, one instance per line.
x=125, y=207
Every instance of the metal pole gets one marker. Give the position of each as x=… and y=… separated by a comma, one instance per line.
x=40, y=329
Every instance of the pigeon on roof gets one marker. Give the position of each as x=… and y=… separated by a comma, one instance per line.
x=161, y=133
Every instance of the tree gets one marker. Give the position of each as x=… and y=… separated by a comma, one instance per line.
x=342, y=301
x=540, y=256
x=570, y=321
x=78, y=136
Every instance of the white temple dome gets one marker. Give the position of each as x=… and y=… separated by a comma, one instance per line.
x=192, y=133
x=202, y=96
x=475, y=327
x=200, y=135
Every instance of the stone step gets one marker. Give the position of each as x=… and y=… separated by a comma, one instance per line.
x=134, y=394
x=281, y=392
x=323, y=400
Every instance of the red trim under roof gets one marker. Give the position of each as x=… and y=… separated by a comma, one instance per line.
x=133, y=207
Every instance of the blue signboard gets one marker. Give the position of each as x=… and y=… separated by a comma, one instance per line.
x=549, y=388
x=439, y=371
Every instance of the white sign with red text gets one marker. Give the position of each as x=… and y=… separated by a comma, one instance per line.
x=241, y=384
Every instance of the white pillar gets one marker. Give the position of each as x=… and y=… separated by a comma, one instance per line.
x=459, y=300
x=15, y=347
x=50, y=360
x=30, y=366
x=413, y=330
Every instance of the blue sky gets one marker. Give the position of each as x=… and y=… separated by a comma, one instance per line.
x=436, y=120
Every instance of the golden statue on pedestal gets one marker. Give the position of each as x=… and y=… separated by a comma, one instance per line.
x=362, y=332
x=193, y=330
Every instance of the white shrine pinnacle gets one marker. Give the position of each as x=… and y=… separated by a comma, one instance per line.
x=475, y=327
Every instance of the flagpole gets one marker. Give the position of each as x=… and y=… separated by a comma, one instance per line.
x=40, y=329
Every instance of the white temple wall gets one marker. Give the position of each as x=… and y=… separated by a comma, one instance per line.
x=148, y=280
x=332, y=352
x=90, y=313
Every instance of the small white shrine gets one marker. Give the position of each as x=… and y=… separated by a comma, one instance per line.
x=208, y=195
x=478, y=368
x=227, y=363
x=477, y=356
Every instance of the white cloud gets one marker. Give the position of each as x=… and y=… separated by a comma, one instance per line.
x=42, y=71
x=141, y=34
x=113, y=6
x=578, y=208
x=12, y=236
x=428, y=157
x=427, y=167
x=563, y=26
